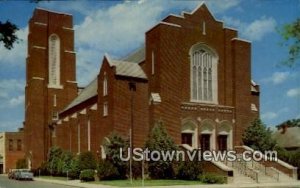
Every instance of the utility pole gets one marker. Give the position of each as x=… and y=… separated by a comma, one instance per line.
x=132, y=88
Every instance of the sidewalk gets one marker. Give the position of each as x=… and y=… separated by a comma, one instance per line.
x=77, y=183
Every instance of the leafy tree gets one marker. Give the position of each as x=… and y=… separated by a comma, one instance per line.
x=54, y=160
x=159, y=140
x=291, y=36
x=290, y=123
x=107, y=171
x=258, y=137
x=21, y=164
x=8, y=34
x=74, y=168
x=112, y=149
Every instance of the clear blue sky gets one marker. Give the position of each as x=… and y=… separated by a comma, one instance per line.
x=118, y=27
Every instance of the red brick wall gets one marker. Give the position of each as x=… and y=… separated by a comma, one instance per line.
x=11, y=157
x=39, y=98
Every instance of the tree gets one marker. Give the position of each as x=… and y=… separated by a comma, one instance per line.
x=159, y=140
x=291, y=36
x=258, y=137
x=8, y=34
x=112, y=149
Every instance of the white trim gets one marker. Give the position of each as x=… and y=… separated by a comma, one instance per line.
x=170, y=24
x=74, y=115
x=37, y=78
x=89, y=134
x=39, y=8
x=68, y=28
x=105, y=109
x=54, y=60
x=39, y=47
x=69, y=81
x=68, y=51
x=199, y=6
x=94, y=107
x=55, y=86
x=54, y=100
x=230, y=28
x=83, y=111
x=66, y=119
x=59, y=122
x=40, y=23
x=244, y=40
x=179, y=16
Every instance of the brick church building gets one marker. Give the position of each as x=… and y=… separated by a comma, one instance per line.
x=192, y=74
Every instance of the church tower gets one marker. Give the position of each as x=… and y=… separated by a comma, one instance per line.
x=50, y=79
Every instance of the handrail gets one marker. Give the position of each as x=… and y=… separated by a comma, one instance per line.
x=273, y=173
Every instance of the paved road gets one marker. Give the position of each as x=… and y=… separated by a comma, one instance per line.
x=7, y=183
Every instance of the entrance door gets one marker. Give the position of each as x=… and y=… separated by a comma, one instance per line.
x=186, y=138
x=205, y=142
x=1, y=168
x=222, y=142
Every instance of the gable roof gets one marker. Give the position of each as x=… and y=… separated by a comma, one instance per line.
x=128, y=66
x=88, y=92
x=289, y=139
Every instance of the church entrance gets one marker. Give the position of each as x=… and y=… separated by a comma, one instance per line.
x=187, y=138
x=222, y=142
x=205, y=142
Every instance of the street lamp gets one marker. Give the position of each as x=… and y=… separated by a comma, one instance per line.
x=132, y=88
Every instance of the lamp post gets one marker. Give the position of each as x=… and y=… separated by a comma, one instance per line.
x=132, y=88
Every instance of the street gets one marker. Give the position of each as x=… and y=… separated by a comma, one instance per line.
x=8, y=183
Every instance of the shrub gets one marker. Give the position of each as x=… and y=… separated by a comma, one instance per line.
x=107, y=171
x=212, y=179
x=87, y=175
x=87, y=160
x=137, y=169
x=74, y=168
x=21, y=164
x=113, y=153
x=189, y=170
x=159, y=140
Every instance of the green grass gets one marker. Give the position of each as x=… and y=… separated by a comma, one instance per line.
x=138, y=183
x=53, y=178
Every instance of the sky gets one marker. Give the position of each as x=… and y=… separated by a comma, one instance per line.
x=118, y=27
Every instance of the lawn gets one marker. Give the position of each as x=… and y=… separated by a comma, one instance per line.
x=53, y=178
x=138, y=183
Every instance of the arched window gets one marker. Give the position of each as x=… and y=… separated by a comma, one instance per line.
x=105, y=84
x=203, y=74
x=54, y=61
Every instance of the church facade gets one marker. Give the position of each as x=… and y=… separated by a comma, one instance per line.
x=192, y=74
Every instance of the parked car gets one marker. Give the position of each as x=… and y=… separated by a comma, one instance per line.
x=12, y=173
x=23, y=174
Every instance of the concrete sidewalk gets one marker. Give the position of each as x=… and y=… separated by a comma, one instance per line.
x=77, y=183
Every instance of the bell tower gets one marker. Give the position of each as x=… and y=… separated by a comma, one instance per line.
x=50, y=79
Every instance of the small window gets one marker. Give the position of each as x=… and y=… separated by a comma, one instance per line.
x=153, y=62
x=105, y=84
x=186, y=138
x=54, y=100
x=55, y=116
x=105, y=109
x=10, y=145
x=19, y=145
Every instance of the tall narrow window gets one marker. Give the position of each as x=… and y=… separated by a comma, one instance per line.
x=10, y=145
x=105, y=84
x=105, y=109
x=54, y=61
x=203, y=74
x=19, y=145
x=78, y=137
x=152, y=63
x=89, y=134
x=54, y=100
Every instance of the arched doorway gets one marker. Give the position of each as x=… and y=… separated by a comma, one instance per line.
x=189, y=133
x=224, y=137
x=207, y=135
